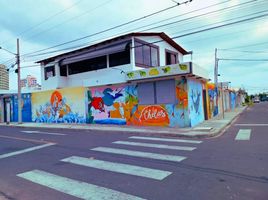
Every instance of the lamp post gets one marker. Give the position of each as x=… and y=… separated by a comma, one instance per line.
x=18, y=71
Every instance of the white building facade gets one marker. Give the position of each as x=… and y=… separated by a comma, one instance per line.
x=107, y=62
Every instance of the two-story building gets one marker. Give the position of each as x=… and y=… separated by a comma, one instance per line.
x=134, y=79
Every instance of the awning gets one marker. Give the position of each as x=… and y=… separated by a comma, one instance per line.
x=97, y=52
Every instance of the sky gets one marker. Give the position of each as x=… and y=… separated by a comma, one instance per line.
x=242, y=46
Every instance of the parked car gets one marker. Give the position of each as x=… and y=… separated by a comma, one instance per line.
x=256, y=101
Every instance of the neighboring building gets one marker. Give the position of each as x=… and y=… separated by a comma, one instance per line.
x=4, y=78
x=30, y=83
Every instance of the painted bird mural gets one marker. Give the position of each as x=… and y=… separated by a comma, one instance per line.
x=110, y=96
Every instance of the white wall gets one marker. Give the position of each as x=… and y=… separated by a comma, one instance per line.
x=104, y=76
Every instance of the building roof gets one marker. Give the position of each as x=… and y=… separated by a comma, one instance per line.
x=162, y=35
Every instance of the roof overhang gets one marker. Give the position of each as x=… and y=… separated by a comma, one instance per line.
x=162, y=35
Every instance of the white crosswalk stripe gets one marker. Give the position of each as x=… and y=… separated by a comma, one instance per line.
x=140, y=154
x=75, y=188
x=165, y=139
x=160, y=146
x=243, y=134
x=91, y=191
x=119, y=167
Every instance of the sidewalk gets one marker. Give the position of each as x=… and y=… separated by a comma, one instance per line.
x=208, y=128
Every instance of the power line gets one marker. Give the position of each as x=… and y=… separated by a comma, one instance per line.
x=45, y=20
x=183, y=14
x=208, y=29
x=71, y=19
x=250, y=45
x=201, y=15
x=243, y=51
x=112, y=28
x=247, y=60
x=163, y=25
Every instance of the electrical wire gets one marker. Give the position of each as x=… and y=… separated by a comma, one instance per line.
x=197, y=16
x=112, y=28
x=246, y=60
x=212, y=28
x=62, y=23
x=45, y=20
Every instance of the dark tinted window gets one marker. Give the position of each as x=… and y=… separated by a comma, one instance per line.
x=63, y=70
x=87, y=65
x=49, y=72
x=171, y=58
x=121, y=58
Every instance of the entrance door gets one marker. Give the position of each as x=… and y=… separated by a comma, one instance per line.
x=205, y=104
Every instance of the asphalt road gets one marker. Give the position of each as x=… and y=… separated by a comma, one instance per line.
x=52, y=164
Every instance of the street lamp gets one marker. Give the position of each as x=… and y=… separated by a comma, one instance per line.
x=17, y=55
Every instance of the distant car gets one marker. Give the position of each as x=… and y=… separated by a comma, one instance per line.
x=256, y=101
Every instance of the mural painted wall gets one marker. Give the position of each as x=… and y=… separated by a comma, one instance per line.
x=213, y=110
x=233, y=100
x=59, y=106
x=159, y=115
x=26, y=108
x=106, y=105
x=1, y=110
x=196, y=109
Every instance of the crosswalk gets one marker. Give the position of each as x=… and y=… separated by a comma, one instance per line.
x=124, y=149
x=243, y=134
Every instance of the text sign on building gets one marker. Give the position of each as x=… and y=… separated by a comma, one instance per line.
x=154, y=72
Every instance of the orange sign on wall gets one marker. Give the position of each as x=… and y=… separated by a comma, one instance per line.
x=153, y=115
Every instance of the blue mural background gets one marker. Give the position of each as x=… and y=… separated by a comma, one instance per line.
x=195, y=98
x=26, y=108
x=233, y=100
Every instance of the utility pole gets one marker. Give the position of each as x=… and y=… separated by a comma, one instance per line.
x=216, y=79
x=19, y=86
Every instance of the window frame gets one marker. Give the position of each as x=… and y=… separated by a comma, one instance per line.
x=87, y=67
x=173, y=53
x=53, y=71
x=144, y=43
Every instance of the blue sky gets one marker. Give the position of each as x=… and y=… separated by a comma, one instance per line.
x=40, y=24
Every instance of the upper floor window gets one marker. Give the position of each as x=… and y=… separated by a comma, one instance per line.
x=63, y=70
x=171, y=57
x=49, y=72
x=146, y=55
x=121, y=58
x=87, y=65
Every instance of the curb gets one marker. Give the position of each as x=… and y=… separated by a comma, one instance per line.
x=210, y=134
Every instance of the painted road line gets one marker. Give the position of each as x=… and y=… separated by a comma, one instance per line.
x=165, y=139
x=75, y=188
x=119, y=167
x=25, y=150
x=251, y=124
x=243, y=134
x=160, y=146
x=140, y=154
x=41, y=132
x=25, y=139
